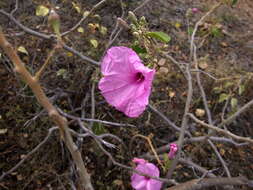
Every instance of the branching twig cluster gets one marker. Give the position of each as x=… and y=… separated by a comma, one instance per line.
x=63, y=120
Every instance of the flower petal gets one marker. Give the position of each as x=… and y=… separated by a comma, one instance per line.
x=119, y=60
x=153, y=184
x=138, y=182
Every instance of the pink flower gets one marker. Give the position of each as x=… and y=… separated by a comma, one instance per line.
x=173, y=150
x=126, y=82
x=195, y=10
x=140, y=182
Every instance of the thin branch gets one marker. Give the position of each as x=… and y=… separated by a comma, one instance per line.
x=236, y=114
x=198, y=184
x=92, y=103
x=44, y=66
x=184, y=123
x=223, y=163
x=141, y=5
x=16, y=7
x=49, y=37
x=166, y=148
x=131, y=169
x=150, y=145
x=27, y=30
x=96, y=120
x=173, y=125
x=26, y=157
x=198, y=24
x=80, y=55
x=94, y=8
x=224, y=132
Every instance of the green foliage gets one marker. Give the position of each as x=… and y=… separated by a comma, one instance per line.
x=223, y=97
x=216, y=32
x=234, y=103
x=234, y=2
x=159, y=36
x=99, y=129
x=139, y=49
x=167, y=161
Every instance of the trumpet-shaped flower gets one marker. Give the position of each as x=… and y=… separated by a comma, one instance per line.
x=140, y=182
x=126, y=82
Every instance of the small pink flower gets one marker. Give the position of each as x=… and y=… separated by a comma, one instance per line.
x=140, y=182
x=126, y=82
x=173, y=150
x=195, y=10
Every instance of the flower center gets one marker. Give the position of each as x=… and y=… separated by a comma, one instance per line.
x=139, y=77
x=147, y=178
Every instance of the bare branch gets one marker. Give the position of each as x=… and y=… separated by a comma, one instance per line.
x=198, y=24
x=184, y=123
x=94, y=8
x=198, y=184
x=50, y=131
x=59, y=120
x=227, y=133
x=49, y=37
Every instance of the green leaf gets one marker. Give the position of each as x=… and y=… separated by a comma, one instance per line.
x=94, y=43
x=22, y=50
x=80, y=29
x=234, y=2
x=233, y=103
x=190, y=30
x=241, y=89
x=138, y=49
x=62, y=72
x=42, y=10
x=160, y=36
x=223, y=97
x=77, y=7
x=103, y=30
x=98, y=129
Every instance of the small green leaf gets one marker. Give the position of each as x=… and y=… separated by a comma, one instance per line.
x=86, y=13
x=223, y=97
x=217, y=90
x=94, y=43
x=62, y=72
x=234, y=103
x=77, y=7
x=228, y=84
x=80, y=29
x=98, y=129
x=241, y=89
x=234, y=2
x=160, y=36
x=42, y=10
x=138, y=49
x=190, y=30
x=103, y=30
x=22, y=50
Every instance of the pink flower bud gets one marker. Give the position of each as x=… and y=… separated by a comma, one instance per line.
x=139, y=161
x=173, y=150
